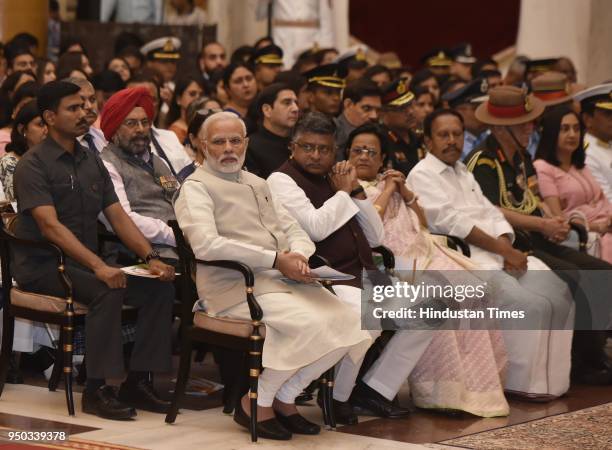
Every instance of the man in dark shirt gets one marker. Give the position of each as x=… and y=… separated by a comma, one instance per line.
x=360, y=104
x=61, y=188
x=506, y=175
x=269, y=147
x=404, y=148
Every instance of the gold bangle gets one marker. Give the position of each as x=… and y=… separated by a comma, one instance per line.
x=414, y=199
x=378, y=208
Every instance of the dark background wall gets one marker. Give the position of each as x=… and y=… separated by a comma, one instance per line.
x=411, y=27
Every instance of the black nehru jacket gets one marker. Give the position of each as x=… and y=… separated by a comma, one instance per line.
x=347, y=249
x=77, y=185
x=266, y=152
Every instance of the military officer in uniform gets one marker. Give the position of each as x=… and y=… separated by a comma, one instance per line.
x=507, y=178
x=267, y=62
x=465, y=100
x=325, y=84
x=596, y=105
x=463, y=60
x=405, y=147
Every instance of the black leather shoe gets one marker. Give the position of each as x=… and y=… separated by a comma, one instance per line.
x=343, y=411
x=103, y=403
x=141, y=395
x=298, y=424
x=303, y=398
x=267, y=429
x=369, y=402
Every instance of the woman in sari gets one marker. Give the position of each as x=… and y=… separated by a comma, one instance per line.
x=461, y=370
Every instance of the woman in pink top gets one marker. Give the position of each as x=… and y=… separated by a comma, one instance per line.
x=566, y=184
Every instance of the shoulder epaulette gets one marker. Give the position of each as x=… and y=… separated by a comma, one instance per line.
x=471, y=163
x=485, y=161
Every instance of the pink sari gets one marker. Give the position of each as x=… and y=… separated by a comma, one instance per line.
x=460, y=370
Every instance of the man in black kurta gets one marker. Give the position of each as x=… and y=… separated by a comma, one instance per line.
x=269, y=146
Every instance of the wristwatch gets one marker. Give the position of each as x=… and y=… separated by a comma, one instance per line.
x=153, y=254
x=358, y=190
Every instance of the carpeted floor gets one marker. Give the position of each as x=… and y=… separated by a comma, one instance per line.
x=587, y=429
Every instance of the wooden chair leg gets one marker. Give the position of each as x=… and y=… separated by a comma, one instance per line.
x=68, y=377
x=8, y=330
x=330, y=398
x=254, y=370
x=182, y=377
x=324, y=397
x=59, y=363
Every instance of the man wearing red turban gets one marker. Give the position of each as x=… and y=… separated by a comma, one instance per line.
x=120, y=105
x=143, y=181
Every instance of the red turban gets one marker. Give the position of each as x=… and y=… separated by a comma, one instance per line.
x=120, y=105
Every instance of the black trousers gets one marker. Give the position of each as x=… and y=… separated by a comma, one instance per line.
x=154, y=300
x=588, y=346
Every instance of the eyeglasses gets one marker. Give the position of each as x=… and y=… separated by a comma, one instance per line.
x=234, y=141
x=311, y=148
x=133, y=123
x=358, y=151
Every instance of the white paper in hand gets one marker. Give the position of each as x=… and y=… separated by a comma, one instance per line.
x=326, y=273
x=139, y=270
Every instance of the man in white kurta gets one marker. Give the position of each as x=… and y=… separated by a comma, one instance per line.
x=596, y=105
x=539, y=360
x=405, y=348
x=229, y=214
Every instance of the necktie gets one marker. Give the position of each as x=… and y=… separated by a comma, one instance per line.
x=90, y=142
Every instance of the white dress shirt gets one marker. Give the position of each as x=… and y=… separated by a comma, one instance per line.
x=174, y=150
x=98, y=139
x=599, y=161
x=155, y=230
x=335, y=212
x=454, y=203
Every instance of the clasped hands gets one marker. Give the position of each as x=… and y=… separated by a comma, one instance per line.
x=294, y=266
x=555, y=228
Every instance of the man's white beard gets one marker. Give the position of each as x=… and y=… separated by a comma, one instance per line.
x=215, y=164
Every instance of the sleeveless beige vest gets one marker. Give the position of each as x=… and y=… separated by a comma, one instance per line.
x=243, y=211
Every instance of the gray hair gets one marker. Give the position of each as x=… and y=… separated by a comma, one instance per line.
x=314, y=122
x=220, y=116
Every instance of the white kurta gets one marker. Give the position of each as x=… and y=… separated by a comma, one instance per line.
x=335, y=212
x=405, y=348
x=303, y=322
x=174, y=150
x=539, y=360
x=599, y=161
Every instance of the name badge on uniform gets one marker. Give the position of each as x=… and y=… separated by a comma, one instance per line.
x=169, y=183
